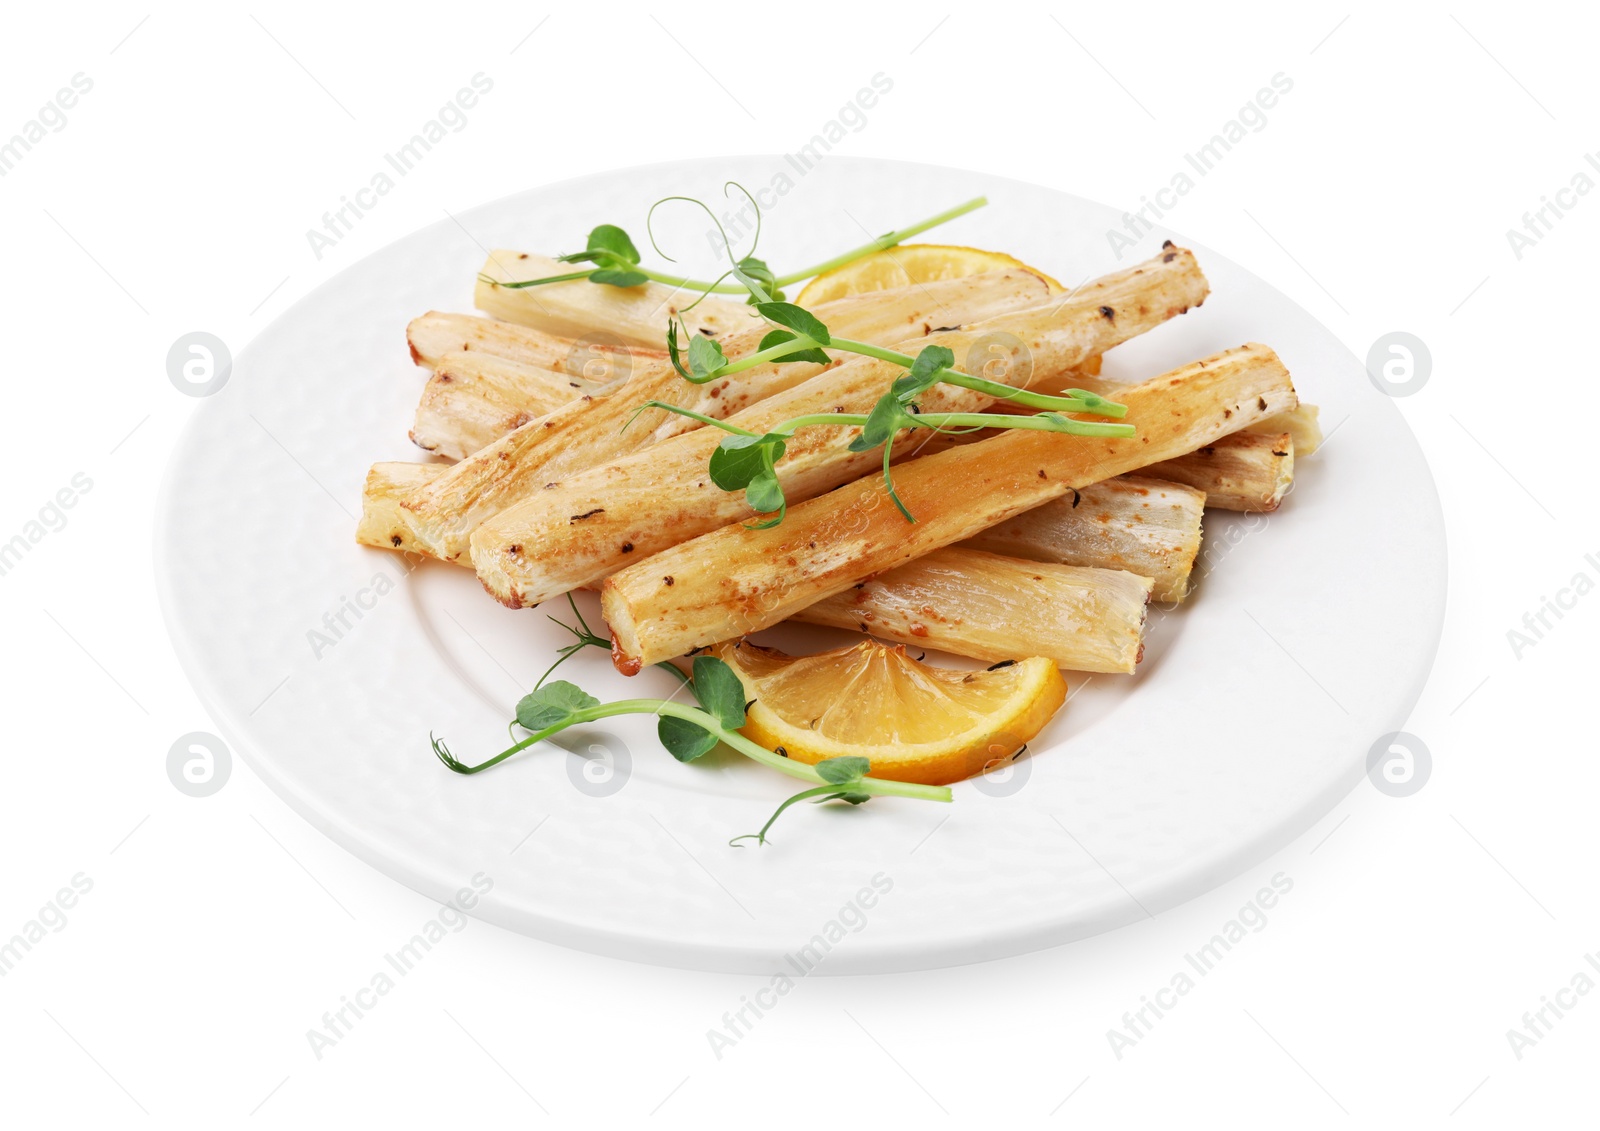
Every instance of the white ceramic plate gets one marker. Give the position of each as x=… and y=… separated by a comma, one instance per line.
x=326, y=664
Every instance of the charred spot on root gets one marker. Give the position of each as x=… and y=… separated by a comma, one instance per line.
x=585, y=514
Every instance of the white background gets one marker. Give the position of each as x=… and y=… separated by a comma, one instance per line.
x=219, y=930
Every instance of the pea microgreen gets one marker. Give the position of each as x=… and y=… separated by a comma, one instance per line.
x=690, y=732
x=748, y=462
x=615, y=261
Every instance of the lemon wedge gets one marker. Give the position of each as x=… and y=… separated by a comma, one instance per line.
x=913, y=722
x=911, y=263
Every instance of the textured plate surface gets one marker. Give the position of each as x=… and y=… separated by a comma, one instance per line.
x=326, y=664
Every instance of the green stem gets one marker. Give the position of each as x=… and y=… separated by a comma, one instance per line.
x=522, y=283
x=1000, y=391
x=692, y=415
x=881, y=243
x=1036, y=423
x=885, y=241
x=690, y=284
x=755, y=752
x=804, y=794
x=867, y=349
x=760, y=357
x=842, y=419
x=996, y=389
x=1003, y=392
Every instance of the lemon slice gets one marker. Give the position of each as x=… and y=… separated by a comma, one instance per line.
x=913, y=722
x=911, y=263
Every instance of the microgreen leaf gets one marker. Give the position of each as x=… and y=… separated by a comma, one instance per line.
x=684, y=740
x=923, y=374
x=887, y=417
x=617, y=278
x=719, y=690
x=552, y=704
x=779, y=337
x=740, y=459
x=841, y=770
x=613, y=242
x=705, y=357
x=796, y=318
x=765, y=495
x=749, y=462
x=758, y=270
x=720, y=694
